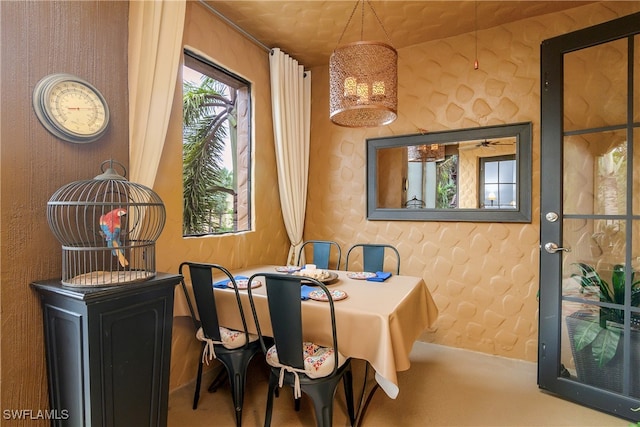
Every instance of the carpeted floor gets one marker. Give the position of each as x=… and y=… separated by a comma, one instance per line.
x=444, y=387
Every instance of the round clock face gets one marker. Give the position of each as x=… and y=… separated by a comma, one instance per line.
x=70, y=108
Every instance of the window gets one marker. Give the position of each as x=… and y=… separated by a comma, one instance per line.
x=498, y=182
x=216, y=149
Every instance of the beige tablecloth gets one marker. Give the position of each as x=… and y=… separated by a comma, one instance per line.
x=377, y=322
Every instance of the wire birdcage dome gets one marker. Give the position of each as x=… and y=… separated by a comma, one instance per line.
x=108, y=227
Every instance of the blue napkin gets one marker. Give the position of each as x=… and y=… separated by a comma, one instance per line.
x=381, y=276
x=304, y=291
x=224, y=283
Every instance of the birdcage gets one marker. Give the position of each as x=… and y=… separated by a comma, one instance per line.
x=108, y=227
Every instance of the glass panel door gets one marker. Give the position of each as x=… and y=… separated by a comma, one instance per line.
x=590, y=248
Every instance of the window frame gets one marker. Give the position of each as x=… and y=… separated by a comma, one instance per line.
x=483, y=184
x=208, y=67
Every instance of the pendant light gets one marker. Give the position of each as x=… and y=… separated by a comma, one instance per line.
x=363, y=80
x=476, y=64
x=426, y=153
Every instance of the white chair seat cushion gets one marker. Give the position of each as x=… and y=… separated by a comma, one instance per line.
x=230, y=338
x=318, y=361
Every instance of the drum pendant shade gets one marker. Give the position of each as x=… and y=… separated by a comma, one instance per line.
x=363, y=80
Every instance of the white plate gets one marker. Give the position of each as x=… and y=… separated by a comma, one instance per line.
x=320, y=295
x=288, y=269
x=360, y=275
x=244, y=284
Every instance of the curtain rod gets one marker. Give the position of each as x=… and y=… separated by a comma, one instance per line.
x=235, y=26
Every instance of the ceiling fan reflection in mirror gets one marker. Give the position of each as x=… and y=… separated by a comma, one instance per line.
x=484, y=144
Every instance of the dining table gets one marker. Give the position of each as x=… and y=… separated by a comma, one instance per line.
x=376, y=321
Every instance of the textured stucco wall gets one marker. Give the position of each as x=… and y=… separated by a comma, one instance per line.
x=484, y=276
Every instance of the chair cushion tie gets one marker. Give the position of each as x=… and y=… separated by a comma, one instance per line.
x=318, y=362
x=297, y=392
x=208, y=352
x=230, y=338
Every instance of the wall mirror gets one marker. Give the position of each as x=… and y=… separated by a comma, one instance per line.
x=478, y=174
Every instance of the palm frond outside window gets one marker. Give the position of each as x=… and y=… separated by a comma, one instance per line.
x=215, y=175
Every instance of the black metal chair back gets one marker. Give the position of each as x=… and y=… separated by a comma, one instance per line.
x=373, y=256
x=236, y=360
x=202, y=284
x=322, y=253
x=285, y=312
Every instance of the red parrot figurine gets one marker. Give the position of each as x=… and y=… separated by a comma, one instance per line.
x=110, y=225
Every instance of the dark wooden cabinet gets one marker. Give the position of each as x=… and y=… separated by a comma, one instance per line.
x=108, y=352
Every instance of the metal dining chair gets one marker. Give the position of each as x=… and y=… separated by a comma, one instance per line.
x=234, y=349
x=321, y=255
x=373, y=256
x=305, y=366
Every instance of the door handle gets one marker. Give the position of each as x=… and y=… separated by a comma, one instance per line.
x=552, y=248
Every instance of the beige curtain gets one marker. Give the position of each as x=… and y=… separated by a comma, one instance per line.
x=155, y=48
x=291, y=105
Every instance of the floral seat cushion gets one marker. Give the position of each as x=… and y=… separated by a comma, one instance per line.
x=318, y=361
x=230, y=338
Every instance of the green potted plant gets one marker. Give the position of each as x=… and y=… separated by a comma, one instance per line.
x=595, y=337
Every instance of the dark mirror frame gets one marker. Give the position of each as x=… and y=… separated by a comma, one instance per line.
x=523, y=134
